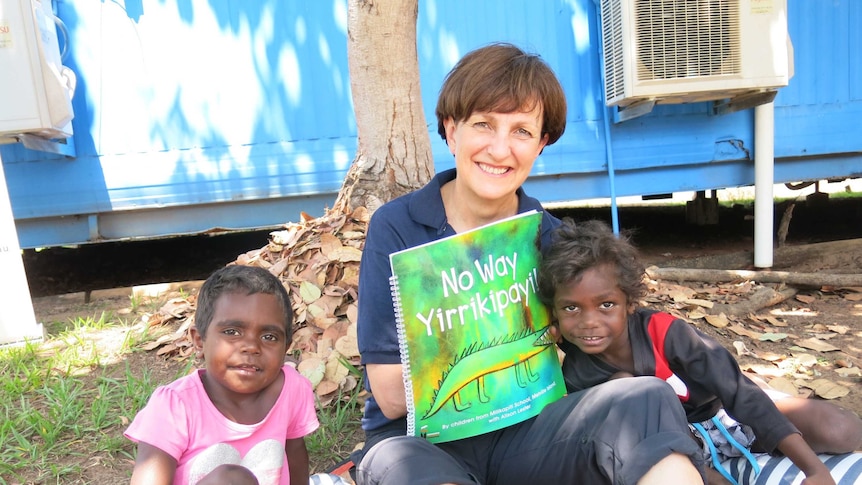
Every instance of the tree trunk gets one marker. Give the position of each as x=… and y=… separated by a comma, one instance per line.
x=393, y=154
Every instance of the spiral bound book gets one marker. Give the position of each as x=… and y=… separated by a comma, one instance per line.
x=475, y=347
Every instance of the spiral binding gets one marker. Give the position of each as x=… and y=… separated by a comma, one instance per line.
x=405, y=354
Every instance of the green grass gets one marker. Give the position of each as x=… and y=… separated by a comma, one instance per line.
x=339, y=427
x=65, y=402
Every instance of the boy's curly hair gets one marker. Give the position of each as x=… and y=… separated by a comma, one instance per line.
x=576, y=248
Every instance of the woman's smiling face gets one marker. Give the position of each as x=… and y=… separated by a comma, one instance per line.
x=494, y=152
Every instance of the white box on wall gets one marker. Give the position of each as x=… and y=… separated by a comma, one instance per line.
x=35, y=87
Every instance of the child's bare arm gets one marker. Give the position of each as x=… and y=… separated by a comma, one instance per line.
x=795, y=448
x=153, y=466
x=297, y=460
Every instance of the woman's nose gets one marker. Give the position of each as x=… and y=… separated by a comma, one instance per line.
x=498, y=146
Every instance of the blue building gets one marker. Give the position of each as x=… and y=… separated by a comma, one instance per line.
x=208, y=115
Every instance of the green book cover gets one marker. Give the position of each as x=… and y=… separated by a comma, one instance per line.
x=475, y=347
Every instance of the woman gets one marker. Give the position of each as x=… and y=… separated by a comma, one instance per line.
x=498, y=108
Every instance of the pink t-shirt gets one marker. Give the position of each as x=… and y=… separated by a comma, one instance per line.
x=180, y=420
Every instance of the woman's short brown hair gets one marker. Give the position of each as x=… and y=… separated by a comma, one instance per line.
x=503, y=78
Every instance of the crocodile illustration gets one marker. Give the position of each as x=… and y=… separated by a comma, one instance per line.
x=481, y=359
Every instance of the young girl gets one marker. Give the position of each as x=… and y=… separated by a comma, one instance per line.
x=593, y=280
x=242, y=419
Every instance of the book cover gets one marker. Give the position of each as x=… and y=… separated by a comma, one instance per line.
x=475, y=347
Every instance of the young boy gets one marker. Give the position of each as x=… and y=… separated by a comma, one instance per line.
x=593, y=280
x=243, y=417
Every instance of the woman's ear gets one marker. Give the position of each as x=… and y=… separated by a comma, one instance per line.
x=542, y=143
x=450, y=125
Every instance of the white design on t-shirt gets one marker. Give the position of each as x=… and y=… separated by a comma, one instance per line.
x=263, y=459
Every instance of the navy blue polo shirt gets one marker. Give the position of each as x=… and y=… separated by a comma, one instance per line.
x=409, y=220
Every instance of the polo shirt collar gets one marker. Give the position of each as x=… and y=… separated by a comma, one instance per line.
x=426, y=206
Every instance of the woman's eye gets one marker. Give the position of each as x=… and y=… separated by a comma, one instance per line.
x=482, y=124
x=607, y=305
x=570, y=308
x=523, y=133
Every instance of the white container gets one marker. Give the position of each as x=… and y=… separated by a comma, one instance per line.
x=35, y=88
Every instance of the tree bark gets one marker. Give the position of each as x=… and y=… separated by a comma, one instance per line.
x=762, y=298
x=725, y=275
x=393, y=153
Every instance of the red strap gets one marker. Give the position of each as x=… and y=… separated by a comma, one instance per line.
x=657, y=328
x=659, y=323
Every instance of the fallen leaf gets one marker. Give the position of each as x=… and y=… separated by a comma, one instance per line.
x=805, y=360
x=764, y=370
x=740, y=330
x=815, y=344
x=325, y=387
x=329, y=244
x=770, y=356
x=828, y=389
x=775, y=322
x=741, y=349
x=849, y=371
x=696, y=314
x=718, y=321
x=313, y=369
x=698, y=302
x=773, y=337
x=784, y=385
x=309, y=291
x=853, y=297
x=839, y=329
x=805, y=298
x=335, y=370
x=346, y=253
x=347, y=346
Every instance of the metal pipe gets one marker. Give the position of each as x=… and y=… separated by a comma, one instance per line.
x=764, y=178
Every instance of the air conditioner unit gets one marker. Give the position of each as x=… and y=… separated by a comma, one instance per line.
x=681, y=51
x=35, y=87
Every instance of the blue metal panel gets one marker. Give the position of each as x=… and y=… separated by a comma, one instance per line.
x=237, y=114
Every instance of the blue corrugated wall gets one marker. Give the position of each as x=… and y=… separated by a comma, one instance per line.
x=194, y=115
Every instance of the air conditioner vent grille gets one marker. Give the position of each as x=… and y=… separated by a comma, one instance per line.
x=612, y=35
x=679, y=39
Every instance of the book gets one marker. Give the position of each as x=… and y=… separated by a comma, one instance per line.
x=474, y=338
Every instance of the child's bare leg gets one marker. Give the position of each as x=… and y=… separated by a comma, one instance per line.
x=826, y=428
x=229, y=475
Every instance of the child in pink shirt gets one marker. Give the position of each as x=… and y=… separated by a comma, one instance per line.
x=243, y=418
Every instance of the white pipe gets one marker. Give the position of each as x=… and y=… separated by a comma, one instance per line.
x=764, y=178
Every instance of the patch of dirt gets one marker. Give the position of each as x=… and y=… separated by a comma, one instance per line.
x=829, y=315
